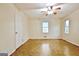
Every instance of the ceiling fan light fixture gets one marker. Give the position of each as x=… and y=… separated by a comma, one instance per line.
x=49, y=8
x=49, y=12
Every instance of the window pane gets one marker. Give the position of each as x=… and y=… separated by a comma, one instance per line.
x=45, y=27
x=66, y=26
x=66, y=30
x=67, y=22
x=45, y=30
x=45, y=24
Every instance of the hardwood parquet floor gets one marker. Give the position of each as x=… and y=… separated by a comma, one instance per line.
x=47, y=47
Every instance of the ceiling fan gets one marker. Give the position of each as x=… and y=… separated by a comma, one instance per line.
x=53, y=9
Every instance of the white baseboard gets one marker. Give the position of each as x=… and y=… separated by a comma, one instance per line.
x=71, y=42
x=11, y=52
x=17, y=47
x=43, y=38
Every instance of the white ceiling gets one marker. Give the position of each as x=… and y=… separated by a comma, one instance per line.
x=29, y=6
x=33, y=9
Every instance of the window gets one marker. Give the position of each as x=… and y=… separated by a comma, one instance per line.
x=66, y=29
x=45, y=27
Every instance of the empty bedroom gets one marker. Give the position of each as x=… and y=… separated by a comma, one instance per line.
x=39, y=29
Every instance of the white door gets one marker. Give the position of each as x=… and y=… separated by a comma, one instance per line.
x=18, y=29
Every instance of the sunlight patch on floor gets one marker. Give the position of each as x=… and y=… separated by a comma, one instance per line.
x=66, y=51
x=45, y=49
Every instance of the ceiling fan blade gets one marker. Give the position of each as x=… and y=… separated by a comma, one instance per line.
x=58, y=8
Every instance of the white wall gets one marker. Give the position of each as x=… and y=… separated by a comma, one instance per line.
x=73, y=36
x=7, y=32
x=36, y=31
x=8, y=16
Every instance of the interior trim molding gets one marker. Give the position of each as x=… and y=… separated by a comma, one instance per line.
x=44, y=38
x=17, y=47
x=71, y=42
